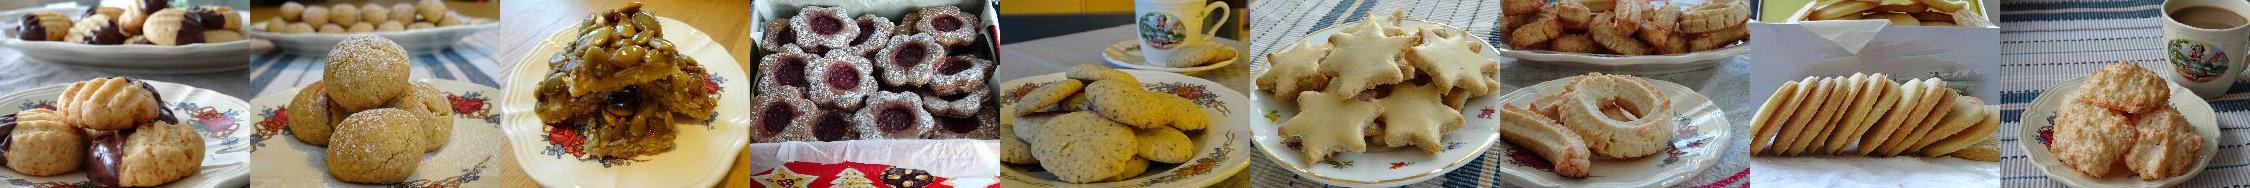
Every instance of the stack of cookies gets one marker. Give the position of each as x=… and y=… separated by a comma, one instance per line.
x=375, y=123
x=1874, y=116
x=1427, y=73
x=1901, y=12
x=1623, y=27
x=114, y=128
x=2122, y=114
x=830, y=77
x=366, y=18
x=1110, y=128
x=143, y=22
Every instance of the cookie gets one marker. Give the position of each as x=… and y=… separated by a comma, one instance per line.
x=1881, y=94
x=43, y=26
x=783, y=115
x=1559, y=145
x=2167, y=146
x=1987, y=151
x=172, y=27
x=1816, y=95
x=40, y=144
x=315, y=15
x=371, y=147
x=1095, y=147
x=839, y=80
x=965, y=105
x=300, y=28
x=309, y=115
x=389, y=26
x=216, y=17
x=948, y=24
x=2091, y=139
x=1414, y=115
x=343, y=14
x=777, y=35
x=1091, y=73
x=1047, y=94
x=875, y=33
x=109, y=104
x=137, y=12
x=1976, y=132
x=1294, y=70
x=1943, y=103
x=1837, y=98
x=403, y=12
x=1618, y=138
x=1164, y=144
x=908, y=61
x=96, y=29
x=361, y=27
x=365, y=71
x=1132, y=168
x=1772, y=114
x=159, y=153
x=292, y=10
x=431, y=9
x=957, y=75
x=1130, y=104
x=1365, y=55
x=1013, y=150
x=1327, y=124
x=430, y=104
x=2126, y=87
x=1533, y=34
x=371, y=13
x=893, y=115
x=1909, y=104
x=826, y=27
x=1967, y=112
x=1453, y=61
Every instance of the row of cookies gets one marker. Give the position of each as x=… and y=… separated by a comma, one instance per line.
x=1874, y=116
x=1109, y=127
x=114, y=129
x=1901, y=12
x=1606, y=115
x=2122, y=115
x=375, y=123
x=370, y=17
x=1624, y=27
x=1427, y=73
x=829, y=77
x=143, y=22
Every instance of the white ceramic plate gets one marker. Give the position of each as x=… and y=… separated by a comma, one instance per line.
x=413, y=39
x=1127, y=54
x=465, y=160
x=2037, y=128
x=192, y=58
x=703, y=151
x=215, y=116
x=1220, y=151
x=1701, y=139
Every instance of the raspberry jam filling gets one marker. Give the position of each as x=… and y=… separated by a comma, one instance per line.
x=776, y=117
x=894, y=117
x=842, y=76
x=790, y=71
x=909, y=54
x=948, y=23
x=831, y=127
x=827, y=24
x=862, y=37
x=950, y=66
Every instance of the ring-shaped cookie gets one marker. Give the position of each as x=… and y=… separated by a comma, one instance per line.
x=1612, y=137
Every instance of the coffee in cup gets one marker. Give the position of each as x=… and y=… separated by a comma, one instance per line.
x=2204, y=43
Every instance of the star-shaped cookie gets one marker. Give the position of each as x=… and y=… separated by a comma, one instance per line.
x=1415, y=114
x=1330, y=123
x=782, y=177
x=1452, y=61
x=1294, y=70
x=1364, y=56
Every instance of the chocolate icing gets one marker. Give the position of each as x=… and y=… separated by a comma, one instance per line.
x=30, y=29
x=190, y=33
x=103, y=156
x=7, y=135
x=162, y=113
x=208, y=18
x=151, y=6
x=107, y=34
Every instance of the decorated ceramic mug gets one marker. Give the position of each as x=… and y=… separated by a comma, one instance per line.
x=1167, y=25
x=2204, y=41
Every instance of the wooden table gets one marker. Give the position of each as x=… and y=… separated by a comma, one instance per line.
x=527, y=22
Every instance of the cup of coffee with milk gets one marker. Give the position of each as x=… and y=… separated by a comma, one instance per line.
x=2204, y=43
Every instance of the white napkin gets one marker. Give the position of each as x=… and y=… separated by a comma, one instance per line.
x=1849, y=34
x=1855, y=171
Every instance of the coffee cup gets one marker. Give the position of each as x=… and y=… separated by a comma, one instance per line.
x=1166, y=26
x=2204, y=43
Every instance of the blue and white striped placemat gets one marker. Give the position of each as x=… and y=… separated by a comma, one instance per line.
x=467, y=62
x=1278, y=23
x=2050, y=41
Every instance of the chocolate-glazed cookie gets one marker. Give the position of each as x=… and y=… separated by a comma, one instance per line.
x=43, y=26
x=38, y=143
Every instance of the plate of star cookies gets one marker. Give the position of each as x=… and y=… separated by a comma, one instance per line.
x=1387, y=101
x=87, y=133
x=1100, y=127
x=674, y=117
x=2081, y=130
x=1630, y=36
x=1603, y=130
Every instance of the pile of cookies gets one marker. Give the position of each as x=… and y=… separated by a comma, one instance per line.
x=1624, y=27
x=2123, y=114
x=375, y=123
x=365, y=18
x=623, y=87
x=116, y=129
x=1414, y=80
x=1874, y=116
x=829, y=77
x=1901, y=12
x=1110, y=128
x=1612, y=116
x=143, y=22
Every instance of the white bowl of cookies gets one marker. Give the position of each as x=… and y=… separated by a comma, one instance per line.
x=1100, y=127
x=418, y=26
x=1625, y=35
x=2081, y=130
x=186, y=39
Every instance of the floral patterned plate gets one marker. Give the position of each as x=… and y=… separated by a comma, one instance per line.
x=1219, y=148
x=2037, y=125
x=466, y=158
x=217, y=117
x=703, y=150
x=1702, y=137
